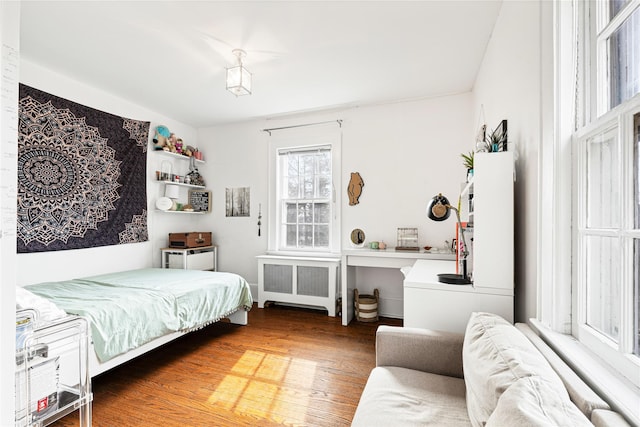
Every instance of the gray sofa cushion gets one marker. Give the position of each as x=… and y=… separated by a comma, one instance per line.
x=579, y=392
x=405, y=397
x=494, y=356
x=533, y=402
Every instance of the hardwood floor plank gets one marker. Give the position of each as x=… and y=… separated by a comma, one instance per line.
x=288, y=366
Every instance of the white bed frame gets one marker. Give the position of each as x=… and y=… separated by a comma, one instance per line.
x=96, y=367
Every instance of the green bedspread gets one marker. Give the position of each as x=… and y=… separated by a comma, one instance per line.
x=130, y=308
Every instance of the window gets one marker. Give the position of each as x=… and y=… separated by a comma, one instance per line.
x=303, y=190
x=606, y=217
x=305, y=186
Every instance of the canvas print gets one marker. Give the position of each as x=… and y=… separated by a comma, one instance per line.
x=81, y=175
x=238, y=201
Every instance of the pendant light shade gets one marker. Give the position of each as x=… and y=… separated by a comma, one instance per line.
x=238, y=77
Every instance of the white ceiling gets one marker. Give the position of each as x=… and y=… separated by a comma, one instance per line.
x=170, y=56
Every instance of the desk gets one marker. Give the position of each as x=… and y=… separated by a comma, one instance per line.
x=434, y=305
x=381, y=258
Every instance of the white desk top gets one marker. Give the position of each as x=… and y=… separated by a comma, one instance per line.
x=424, y=275
x=392, y=253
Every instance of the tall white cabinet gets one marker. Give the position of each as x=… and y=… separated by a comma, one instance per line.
x=434, y=305
x=493, y=220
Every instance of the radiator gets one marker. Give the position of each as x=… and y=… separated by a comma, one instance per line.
x=299, y=280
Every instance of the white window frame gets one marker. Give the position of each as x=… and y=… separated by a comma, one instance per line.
x=560, y=280
x=300, y=138
x=619, y=355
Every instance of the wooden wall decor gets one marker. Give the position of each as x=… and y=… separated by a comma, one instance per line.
x=355, y=188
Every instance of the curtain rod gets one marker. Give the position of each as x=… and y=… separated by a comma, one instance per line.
x=339, y=121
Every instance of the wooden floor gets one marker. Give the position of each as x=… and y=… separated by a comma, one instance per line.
x=289, y=366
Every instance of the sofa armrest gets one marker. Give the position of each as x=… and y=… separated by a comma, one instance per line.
x=426, y=350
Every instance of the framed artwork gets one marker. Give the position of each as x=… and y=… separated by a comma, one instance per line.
x=238, y=201
x=200, y=200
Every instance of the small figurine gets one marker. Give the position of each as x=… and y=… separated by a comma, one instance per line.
x=355, y=188
x=160, y=138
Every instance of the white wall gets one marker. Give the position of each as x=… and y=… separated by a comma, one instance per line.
x=60, y=265
x=9, y=68
x=405, y=152
x=513, y=83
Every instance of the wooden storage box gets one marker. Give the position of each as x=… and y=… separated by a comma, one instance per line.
x=192, y=239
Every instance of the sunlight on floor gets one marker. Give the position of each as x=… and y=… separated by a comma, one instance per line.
x=267, y=386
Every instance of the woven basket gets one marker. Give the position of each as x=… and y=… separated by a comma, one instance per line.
x=366, y=306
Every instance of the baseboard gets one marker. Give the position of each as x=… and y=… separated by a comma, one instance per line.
x=254, y=291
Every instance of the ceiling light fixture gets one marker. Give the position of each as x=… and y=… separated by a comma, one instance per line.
x=238, y=77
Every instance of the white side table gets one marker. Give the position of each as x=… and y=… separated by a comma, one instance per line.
x=203, y=258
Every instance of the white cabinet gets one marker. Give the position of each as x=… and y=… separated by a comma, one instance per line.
x=203, y=258
x=298, y=280
x=430, y=304
x=440, y=306
x=493, y=220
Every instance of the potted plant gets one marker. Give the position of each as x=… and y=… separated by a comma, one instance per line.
x=497, y=140
x=467, y=161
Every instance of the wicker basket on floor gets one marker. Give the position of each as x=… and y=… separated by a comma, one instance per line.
x=366, y=306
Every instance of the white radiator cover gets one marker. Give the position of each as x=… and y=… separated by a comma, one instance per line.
x=299, y=280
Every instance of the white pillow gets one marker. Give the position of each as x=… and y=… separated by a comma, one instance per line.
x=494, y=356
x=534, y=402
x=47, y=310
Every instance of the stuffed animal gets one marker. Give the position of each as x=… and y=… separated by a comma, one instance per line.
x=179, y=146
x=172, y=142
x=160, y=138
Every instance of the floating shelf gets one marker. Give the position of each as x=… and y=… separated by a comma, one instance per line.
x=182, y=184
x=182, y=212
x=176, y=155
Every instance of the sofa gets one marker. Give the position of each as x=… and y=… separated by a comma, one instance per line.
x=495, y=374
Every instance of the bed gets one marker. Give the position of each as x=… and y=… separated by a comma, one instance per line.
x=134, y=311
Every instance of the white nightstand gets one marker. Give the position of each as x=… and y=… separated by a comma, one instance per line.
x=203, y=258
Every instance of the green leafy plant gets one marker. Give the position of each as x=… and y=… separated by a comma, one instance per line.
x=496, y=140
x=467, y=159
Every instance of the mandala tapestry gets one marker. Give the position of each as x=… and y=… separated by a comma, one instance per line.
x=81, y=175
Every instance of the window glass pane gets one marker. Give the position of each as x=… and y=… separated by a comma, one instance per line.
x=305, y=213
x=603, y=207
x=603, y=285
x=321, y=235
x=308, y=164
x=292, y=235
x=322, y=213
x=305, y=236
x=615, y=6
x=292, y=210
x=324, y=186
x=623, y=59
x=292, y=165
x=324, y=163
x=309, y=187
x=293, y=187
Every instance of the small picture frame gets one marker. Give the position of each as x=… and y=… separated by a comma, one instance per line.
x=200, y=200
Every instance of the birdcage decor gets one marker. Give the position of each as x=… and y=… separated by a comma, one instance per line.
x=407, y=239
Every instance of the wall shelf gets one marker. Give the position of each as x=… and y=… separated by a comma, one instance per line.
x=182, y=212
x=182, y=184
x=177, y=156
